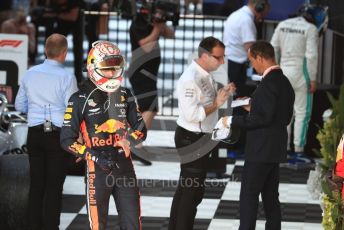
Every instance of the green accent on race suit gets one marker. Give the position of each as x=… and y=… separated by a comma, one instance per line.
x=309, y=102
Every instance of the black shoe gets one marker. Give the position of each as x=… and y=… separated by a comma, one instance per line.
x=298, y=160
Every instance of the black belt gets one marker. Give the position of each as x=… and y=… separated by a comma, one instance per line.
x=194, y=133
x=41, y=127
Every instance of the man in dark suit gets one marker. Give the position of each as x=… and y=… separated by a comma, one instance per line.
x=270, y=112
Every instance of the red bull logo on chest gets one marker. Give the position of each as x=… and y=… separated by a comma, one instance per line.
x=109, y=126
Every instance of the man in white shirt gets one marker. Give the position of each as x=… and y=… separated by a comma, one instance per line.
x=239, y=34
x=198, y=103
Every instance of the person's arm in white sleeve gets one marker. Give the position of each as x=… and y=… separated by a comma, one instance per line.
x=248, y=34
x=311, y=56
x=21, y=101
x=70, y=88
x=275, y=42
x=189, y=104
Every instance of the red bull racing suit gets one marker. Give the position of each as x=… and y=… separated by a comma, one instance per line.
x=108, y=170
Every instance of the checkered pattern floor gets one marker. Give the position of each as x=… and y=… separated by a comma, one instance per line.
x=218, y=210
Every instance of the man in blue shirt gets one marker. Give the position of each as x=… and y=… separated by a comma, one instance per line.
x=43, y=94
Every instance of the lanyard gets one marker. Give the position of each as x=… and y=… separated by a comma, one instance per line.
x=45, y=112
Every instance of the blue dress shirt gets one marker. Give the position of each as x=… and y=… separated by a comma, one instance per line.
x=44, y=92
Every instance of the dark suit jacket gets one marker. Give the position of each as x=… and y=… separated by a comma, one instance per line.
x=266, y=123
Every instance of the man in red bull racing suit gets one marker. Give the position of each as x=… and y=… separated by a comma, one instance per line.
x=108, y=119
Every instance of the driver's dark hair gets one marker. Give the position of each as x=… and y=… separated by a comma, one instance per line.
x=306, y=13
x=263, y=49
x=207, y=45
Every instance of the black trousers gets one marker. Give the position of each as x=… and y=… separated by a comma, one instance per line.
x=237, y=74
x=91, y=22
x=260, y=178
x=190, y=190
x=144, y=83
x=48, y=164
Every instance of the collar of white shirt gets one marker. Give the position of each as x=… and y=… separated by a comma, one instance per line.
x=200, y=69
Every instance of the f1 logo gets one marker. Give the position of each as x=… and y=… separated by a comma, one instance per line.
x=11, y=69
x=13, y=43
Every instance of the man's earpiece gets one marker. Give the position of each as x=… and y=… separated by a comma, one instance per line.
x=259, y=8
x=260, y=5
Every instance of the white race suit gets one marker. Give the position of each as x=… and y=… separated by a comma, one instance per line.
x=296, y=46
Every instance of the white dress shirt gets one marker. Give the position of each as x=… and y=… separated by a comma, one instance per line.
x=196, y=89
x=239, y=28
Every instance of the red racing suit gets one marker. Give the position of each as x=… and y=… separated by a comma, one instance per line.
x=88, y=114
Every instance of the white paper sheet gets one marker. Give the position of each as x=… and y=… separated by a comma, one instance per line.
x=240, y=102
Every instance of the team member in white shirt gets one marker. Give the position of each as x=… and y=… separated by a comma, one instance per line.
x=239, y=34
x=198, y=103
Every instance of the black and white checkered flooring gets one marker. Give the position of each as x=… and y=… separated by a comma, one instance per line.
x=219, y=208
